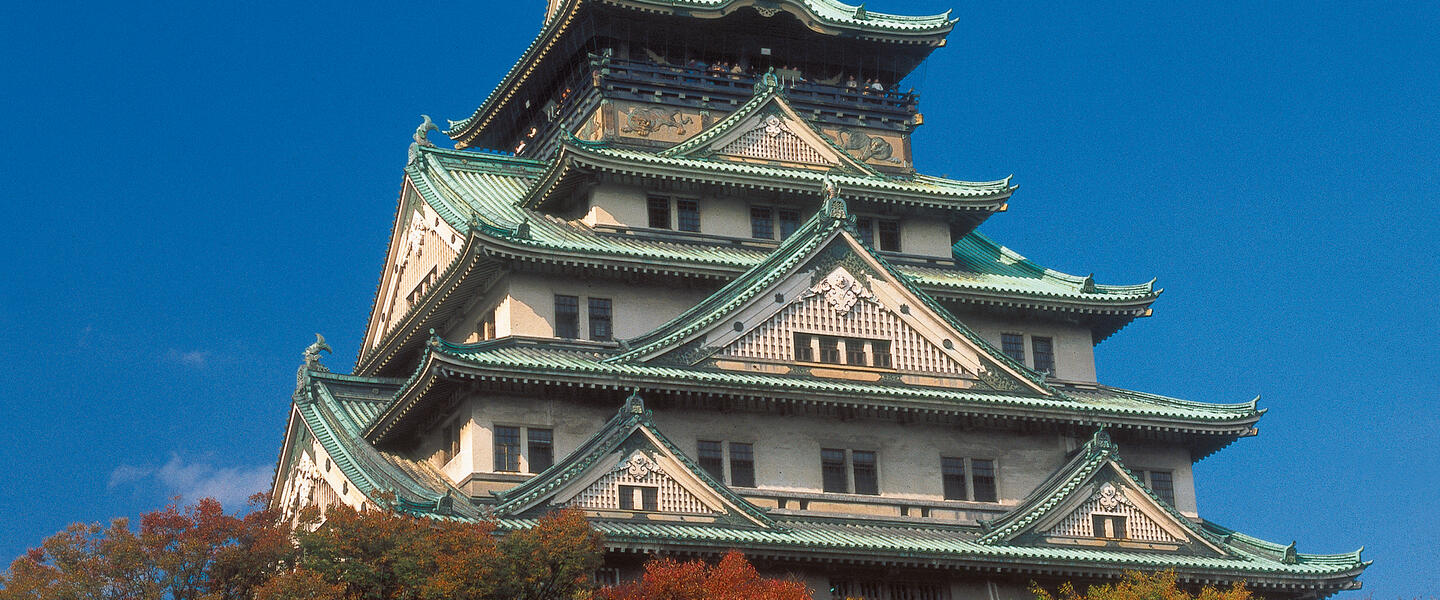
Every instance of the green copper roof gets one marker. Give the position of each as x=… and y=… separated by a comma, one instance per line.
x=336, y=409
x=462, y=186
x=611, y=439
x=829, y=12
x=331, y=406
x=931, y=29
x=540, y=361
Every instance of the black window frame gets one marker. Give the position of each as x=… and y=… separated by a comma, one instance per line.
x=657, y=210
x=687, y=215
x=507, y=448
x=1165, y=491
x=1013, y=345
x=887, y=235
x=829, y=350
x=855, y=352
x=602, y=319
x=789, y=222
x=1044, y=359
x=742, y=464
x=953, y=478
x=880, y=354
x=804, y=349
x=834, y=476
x=710, y=454
x=567, y=316
x=539, y=441
x=984, y=480
x=762, y=222
x=865, y=474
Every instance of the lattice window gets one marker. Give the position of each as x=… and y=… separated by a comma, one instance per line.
x=670, y=496
x=797, y=324
x=773, y=141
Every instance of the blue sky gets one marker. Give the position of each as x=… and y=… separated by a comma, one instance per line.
x=194, y=190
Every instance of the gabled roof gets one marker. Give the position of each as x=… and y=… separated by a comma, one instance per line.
x=827, y=14
x=613, y=447
x=336, y=409
x=911, y=190
x=488, y=189
x=767, y=112
x=1096, y=472
x=824, y=241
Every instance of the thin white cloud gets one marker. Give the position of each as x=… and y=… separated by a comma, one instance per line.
x=196, y=359
x=198, y=479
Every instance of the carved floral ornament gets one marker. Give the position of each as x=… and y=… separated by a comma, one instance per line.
x=841, y=291
x=638, y=465
x=1110, y=497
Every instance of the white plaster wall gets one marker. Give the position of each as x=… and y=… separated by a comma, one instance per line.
x=787, y=449
x=614, y=204
x=1156, y=457
x=1074, y=352
x=529, y=308
x=925, y=237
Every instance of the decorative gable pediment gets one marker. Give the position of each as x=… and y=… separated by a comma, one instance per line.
x=1095, y=502
x=768, y=130
x=630, y=470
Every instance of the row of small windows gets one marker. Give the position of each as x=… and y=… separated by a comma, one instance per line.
x=842, y=351
x=686, y=213
x=539, y=445
x=567, y=318
x=842, y=470
x=680, y=214
x=1042, y=349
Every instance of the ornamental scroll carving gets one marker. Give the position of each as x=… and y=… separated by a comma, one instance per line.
x=1110, y=498
x=841, y=291
x=638, y=465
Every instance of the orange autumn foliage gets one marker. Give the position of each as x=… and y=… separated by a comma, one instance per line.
x=1142, y=586
x=733, y=578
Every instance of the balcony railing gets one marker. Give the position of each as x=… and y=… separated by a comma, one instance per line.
x=714, y=83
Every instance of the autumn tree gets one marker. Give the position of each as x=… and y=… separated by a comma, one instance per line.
x=733, y=578
x=1143, y=586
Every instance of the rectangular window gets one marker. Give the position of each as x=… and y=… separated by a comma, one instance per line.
x=1013, y=345
x=880, y=353
x=866, y=227
x=789, y=222
x=804, y=351
x=830, y=350
x=887, y=589
x=687, y=212
x=600, y=320
x=1163, y=483
x=832, y=470
x=889, y=234
x=659, y=210
x=712, y=459
x=1043, y=349
x=507, y=449
x=742, y=465
x=541, y=445
x=1109, y=526
x=567, y=317
x=866, y=478
x=952, y=471
x=855, y=352
x=762, y=226
x=983, y=479
x=639, y=497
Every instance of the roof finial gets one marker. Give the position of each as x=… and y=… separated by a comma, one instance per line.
x=767, y=82
x=635, y=405
x=834, y=205
x=1101, y=441
x=312, y=363
x=1088, y=286
x=426, y=126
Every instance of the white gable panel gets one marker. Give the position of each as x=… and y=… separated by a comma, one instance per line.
x=772, y=139
x=639, y=469
x=846, y=310
x=1109, y=500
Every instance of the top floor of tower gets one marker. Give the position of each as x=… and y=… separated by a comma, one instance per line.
x=651, y=73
